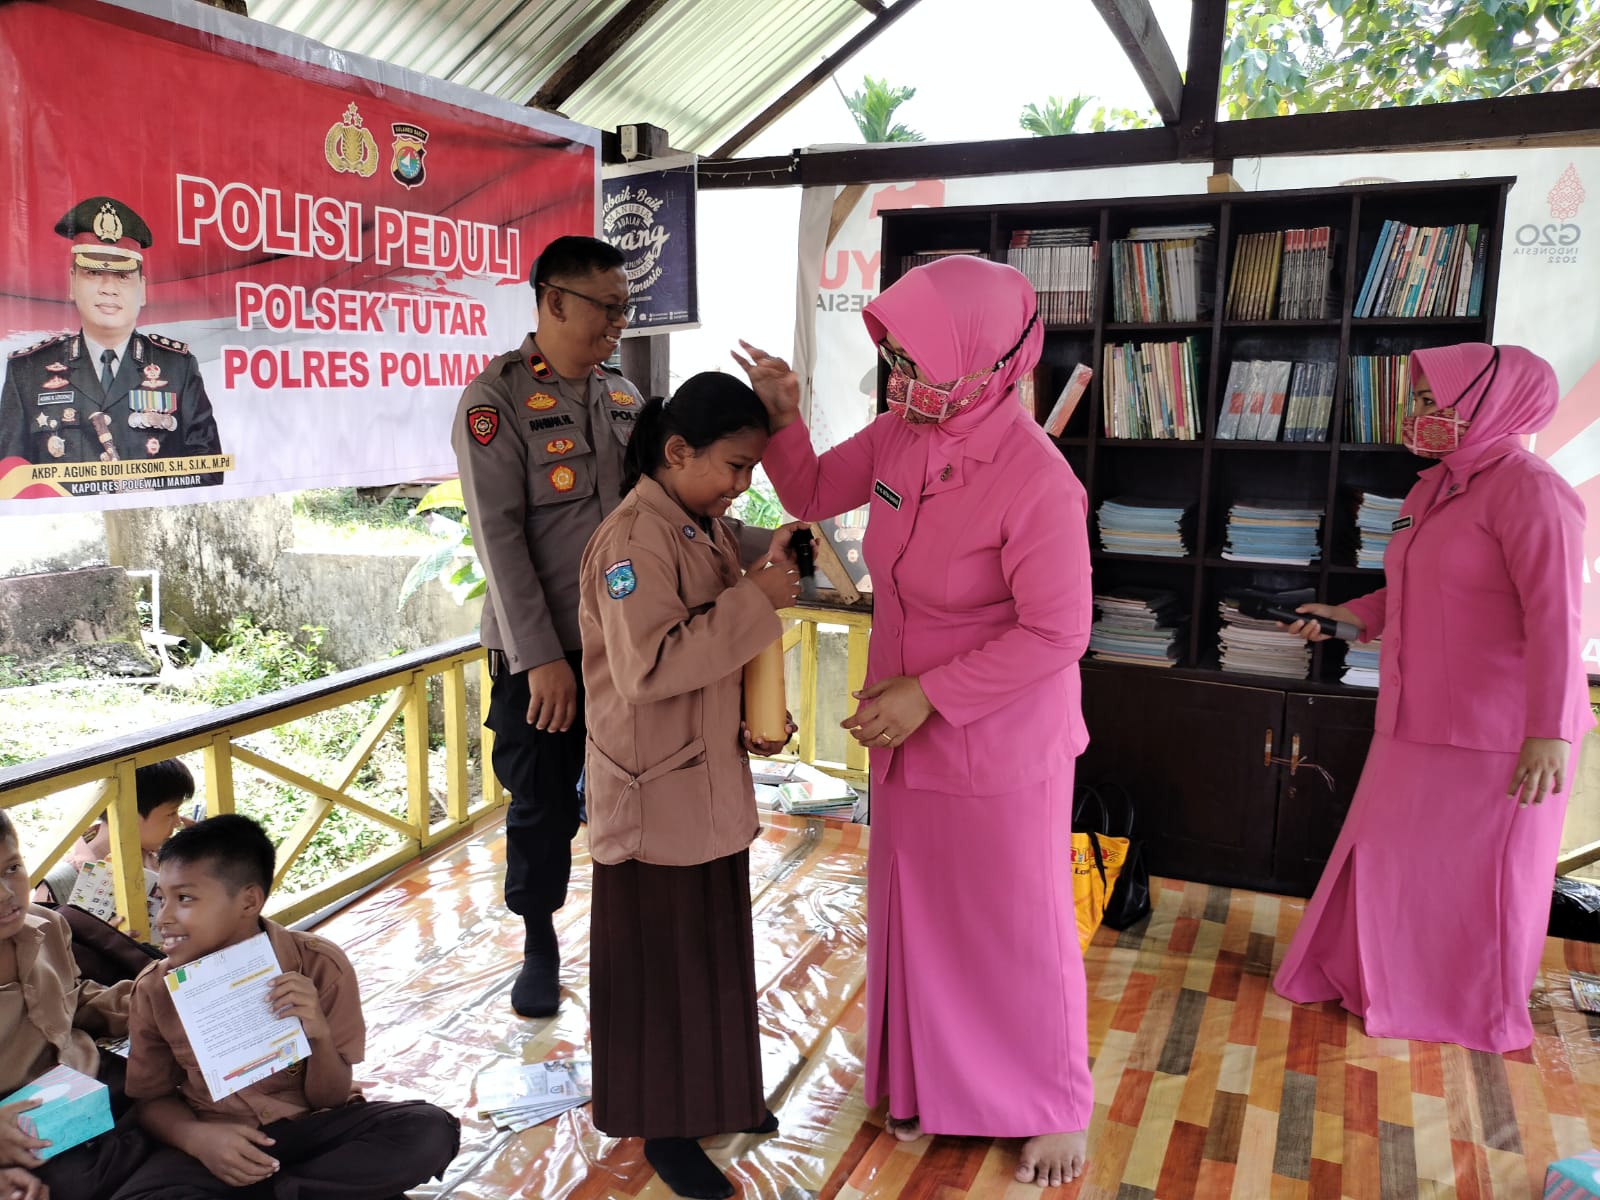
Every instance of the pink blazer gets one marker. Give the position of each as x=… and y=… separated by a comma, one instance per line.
x=1479, y=618
x=981, y=589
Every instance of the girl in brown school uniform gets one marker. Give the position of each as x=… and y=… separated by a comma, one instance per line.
x=668, y=622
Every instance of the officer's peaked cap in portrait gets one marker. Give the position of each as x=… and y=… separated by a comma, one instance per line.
x=106, y=235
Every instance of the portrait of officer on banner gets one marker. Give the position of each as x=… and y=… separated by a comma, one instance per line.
x=109, y=392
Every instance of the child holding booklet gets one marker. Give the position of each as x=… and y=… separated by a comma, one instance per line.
x=47, y=1018
x=306, y=1129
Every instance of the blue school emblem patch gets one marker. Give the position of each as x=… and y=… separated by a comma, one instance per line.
x=620, y=579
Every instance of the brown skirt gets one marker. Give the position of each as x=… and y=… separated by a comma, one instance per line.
x=677, y=1052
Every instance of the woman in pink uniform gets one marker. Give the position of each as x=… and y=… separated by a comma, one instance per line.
x=978, y=549
x=1430, y=918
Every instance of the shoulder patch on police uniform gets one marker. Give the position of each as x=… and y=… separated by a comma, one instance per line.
x=168, y=343
x=620, y=579
x=483, y=422
x=541, y=401
x=626, y=399
x=49, y=341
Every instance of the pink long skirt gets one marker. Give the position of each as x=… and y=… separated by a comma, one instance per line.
x=977, y=1009
x=1429, y=920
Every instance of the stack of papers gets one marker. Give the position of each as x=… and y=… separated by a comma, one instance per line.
x=1132, y=526
x=1274, y=531
x=1361, y=664
x=802, y=790
x=1136, y=625
x=95, y=892
x=518, y=1096
x=1253, y=646
x=1375, y=518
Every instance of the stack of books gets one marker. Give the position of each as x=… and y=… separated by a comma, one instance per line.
x=1380, y=390
x=1425, y=271
x=801, y=790
x=1136, y=625
x=909, y=262
x=1375, y=518
x=1361, y=664
x=1273, y=531
x=1132, y=526
x=1257, y=646
x=1265, y=398
x=1285, y=268
x=1152, y=390
x=518, y=1096
x=1164, y=273
x=1062, y=266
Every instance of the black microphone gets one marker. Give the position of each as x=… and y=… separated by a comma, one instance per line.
x=1253, y=604
x=805, y=560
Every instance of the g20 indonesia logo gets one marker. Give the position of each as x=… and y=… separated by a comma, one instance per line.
x=1556, y=241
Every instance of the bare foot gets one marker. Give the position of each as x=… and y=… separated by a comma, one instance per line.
x=907, y=1130
x=1052, y=1159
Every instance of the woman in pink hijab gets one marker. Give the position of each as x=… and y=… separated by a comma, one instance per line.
x=1430, y=918
x=978, y=548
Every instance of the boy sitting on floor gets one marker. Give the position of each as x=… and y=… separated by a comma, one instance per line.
x=305, y=1132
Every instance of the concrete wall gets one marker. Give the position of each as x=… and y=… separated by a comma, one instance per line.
x=43, y=615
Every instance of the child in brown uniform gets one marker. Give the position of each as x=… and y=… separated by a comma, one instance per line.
x=306, y=1132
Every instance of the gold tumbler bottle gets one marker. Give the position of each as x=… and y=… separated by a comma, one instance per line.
x=765, y=712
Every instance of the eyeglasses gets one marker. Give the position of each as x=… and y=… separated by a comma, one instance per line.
x=616, y=312
x=897, y=361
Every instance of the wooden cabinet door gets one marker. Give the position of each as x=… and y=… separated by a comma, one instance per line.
x=1190, y=755
x=1334, y=733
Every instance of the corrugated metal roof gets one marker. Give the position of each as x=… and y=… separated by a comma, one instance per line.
x=698, y=68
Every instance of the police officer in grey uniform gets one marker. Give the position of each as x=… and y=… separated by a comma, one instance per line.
x=539, y=437
x=108, y=392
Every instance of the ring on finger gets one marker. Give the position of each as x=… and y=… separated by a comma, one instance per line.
x=888, y=738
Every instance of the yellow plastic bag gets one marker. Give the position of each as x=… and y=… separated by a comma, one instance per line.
x=1097, y=860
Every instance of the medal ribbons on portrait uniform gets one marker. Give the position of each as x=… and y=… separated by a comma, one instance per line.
x=149, y=409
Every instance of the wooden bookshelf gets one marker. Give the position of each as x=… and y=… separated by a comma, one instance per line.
x=1209, y=473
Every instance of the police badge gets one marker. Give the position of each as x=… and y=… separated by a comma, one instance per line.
x=410, y=144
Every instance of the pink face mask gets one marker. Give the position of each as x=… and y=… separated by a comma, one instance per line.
x=1435, y=434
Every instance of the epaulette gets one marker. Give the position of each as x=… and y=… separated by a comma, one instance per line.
x=610, y=370
x=49, y=341
x=167, y=343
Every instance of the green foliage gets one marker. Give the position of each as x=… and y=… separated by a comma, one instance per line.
x=254, y=661
x=759, y=506
x=454, y=562
x=873, y=108
x=1059, y=116
x=347, y=508
x=1285, y=57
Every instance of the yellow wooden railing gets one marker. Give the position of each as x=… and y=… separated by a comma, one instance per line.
x=108, y=768
x=805, y=632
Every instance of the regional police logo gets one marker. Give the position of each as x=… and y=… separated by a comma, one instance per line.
x=620, y=579
x=349, y=146
x=410, y=144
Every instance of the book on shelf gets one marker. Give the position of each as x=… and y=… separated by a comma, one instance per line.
x=1164, y=273
x=1062, y=265
x=1425, y=271
x=1280, y=532
x=1282, y=274
x=1380, y=389
x=1067, y=402
x=910, y=262
x=1136, y=625
x=1265, y=400
x=1130, y=525
x=1150, y=390
x=1257, y=646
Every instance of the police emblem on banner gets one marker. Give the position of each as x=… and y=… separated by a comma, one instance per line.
x=349, y=146
x=405, y=164
x=620, y=579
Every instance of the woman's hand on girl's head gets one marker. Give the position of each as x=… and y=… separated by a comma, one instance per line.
x=1541, y=770
x=774, y=381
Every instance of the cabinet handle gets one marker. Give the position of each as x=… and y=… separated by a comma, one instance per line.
x=1266, y=757
x=1294, y=754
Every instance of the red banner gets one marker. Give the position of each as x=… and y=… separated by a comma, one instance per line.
x=295, y=259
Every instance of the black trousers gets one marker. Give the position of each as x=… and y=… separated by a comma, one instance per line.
x=540, y=770
x=366, y=1150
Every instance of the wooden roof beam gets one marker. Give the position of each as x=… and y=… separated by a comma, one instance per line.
x=1135, y=27
x=886, y=17
x=592, y=55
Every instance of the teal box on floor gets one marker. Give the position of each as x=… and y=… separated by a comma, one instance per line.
x=1575, y=1178
x=74, y=1109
